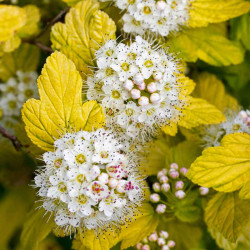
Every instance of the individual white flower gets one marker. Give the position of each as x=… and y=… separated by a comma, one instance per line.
x=142, y=92
x=89, y=181
x=236, y=121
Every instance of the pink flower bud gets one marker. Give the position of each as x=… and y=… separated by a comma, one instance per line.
x=135, y=93
x=174, y=166
x=153, y=237
x=204, y=190
x=243, y=114
x=161, y=208
x=154, y=198
x=143, y=101
x=145, y=247
x=156, y=187
x=163, y=179
x=103, y=178
x=138, y=246
x=160, y=173
x=171, y=243
x=183, y=171
x=155, y=98
x=141, y=86
x=120, y=186
x=157, y=76
x=165, y=247
x=173, y=173
x=161, y=5
x=161, y=241
x=128, y=85
x=138, y=78
x=180, y=194
x=152, y=87
x=165, y=187
x=179, y=185
x=113, y=182
x=163, y=234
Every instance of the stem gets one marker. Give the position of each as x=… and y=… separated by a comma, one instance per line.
x=16, y=143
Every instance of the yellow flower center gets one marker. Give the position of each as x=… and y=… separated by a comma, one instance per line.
x=236, y=127
x=116, y=94
x=26, y=79
x=109, y=52
x=146, y=10
x=62, y=187
x=148, y=63
x=131, y=1
x=150, y=111
x=125, y=66
x=80, y=159
x=109, y=71
x=12, y=104
x=98, y=85
x=104, y=154
x=28, y=93
x=80, y=178
x=82, y=199
x=11, y=90
x=58, y=163
x=110, y=112
x=132, y=56
x=129, y=112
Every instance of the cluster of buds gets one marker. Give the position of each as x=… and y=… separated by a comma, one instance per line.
x=156, y=240
x=173, y=180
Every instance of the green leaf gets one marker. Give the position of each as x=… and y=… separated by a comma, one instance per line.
x=228, y=214
x=36, y=228
x=208, y=45
x=225, y=168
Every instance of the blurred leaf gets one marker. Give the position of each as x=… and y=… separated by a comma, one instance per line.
x=228, y=214
x=25, y=58
x=36, y=228
x=225, y=168
x=208, y=45
x=240, y=30
x=245, y=191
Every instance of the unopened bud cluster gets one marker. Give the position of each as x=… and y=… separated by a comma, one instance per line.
x=137, y=85
x=174, y=181
x=156, y=240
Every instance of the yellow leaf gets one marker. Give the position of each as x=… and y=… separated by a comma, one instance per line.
x=208, y=45
x=225, y=168
x=85, y=27
x=204, y=12
x=25, y=58
x=10, y=45
x=228, y=214
x=31, y=27
x=170, y=129
x=71, y=2
x=12, y=18
x=212, y=90
x=245, y=191
x=36, y=228
x=200, y=112
x=60, y=108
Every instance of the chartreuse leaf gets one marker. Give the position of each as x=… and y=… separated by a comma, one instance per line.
x=204, y=12
x=60, y=107
x=36, y=228
x=208, y=45
x=71, y=2
x=200, y=112
x=228, y=214
x=31, y=26
x=85, y=29
x=245, y=191
x=225, y=168
x=145, y=222
x=12, y=18
x=13, y=208
x=25, y=58
x=210, y=88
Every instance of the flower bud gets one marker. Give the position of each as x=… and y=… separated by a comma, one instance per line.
x=135, y=93
x=128, y=85
x=155, y=98
x=143, y=101
x=156, y=187
x=113, y=182
x=145, y=247
x=161, y=173
x=120, y=186
x=161, y=208
x=163, y=179
x=165, y=187
x=151, y=87
x=145, y=240
x=171, y=243
x=165, y=247
x=163, y=234
x=243, y=114
x=180, y=194
x=174, y=166
x=179, y=185
x=157, y=76
x=161, y=5
x=141, y=86
x=138, y=78
x=173, y=173
x=154, y=198
x=203, y=190
x=103, y=178
x=183, y=171
x=161, y=241
x=153, y=237
x=138, y=246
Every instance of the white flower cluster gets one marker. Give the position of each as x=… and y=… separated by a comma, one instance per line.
x=171, y=181
x=160, y=17
x=137, y=85
x=16, y=91
x=236, y=122
x=89, y=181
x=157, y=240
